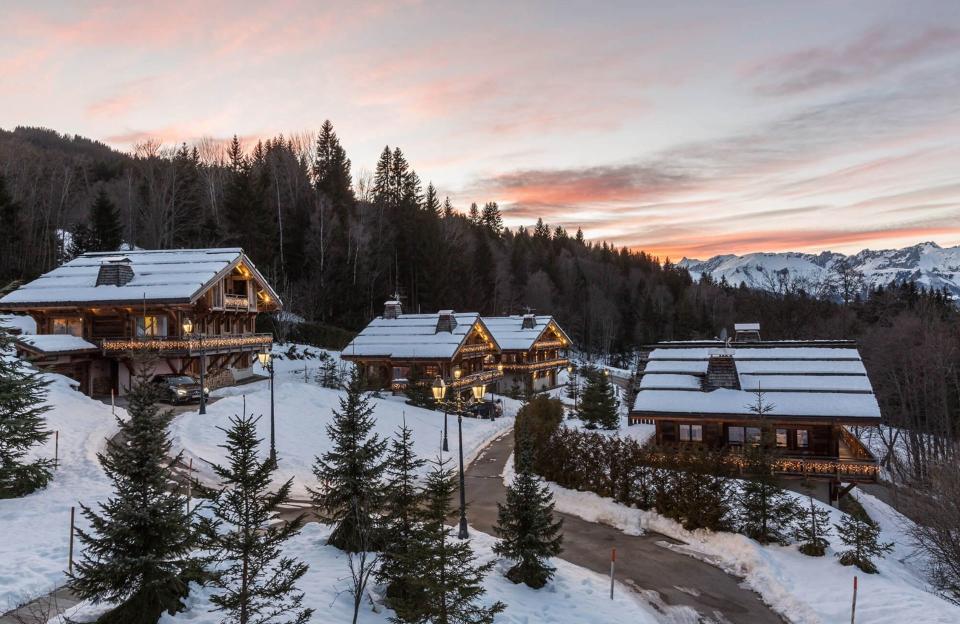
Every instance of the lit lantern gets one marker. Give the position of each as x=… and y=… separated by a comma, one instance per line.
x=439, y=389
x=187, y=326
x=264, y=357
x=478, y=391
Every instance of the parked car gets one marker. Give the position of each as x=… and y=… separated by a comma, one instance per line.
x=487, y=409
x=178, y=388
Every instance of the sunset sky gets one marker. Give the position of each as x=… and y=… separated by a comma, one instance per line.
x=680, y=128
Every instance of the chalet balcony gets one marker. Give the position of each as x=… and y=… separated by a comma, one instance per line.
x=854, y=463
x=529, y=367
x=485, y=377
x=187, y=346
x=236, y=302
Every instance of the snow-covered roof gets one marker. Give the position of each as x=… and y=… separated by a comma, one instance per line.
x=511, y=335
x=412, y=336
x=170, y=276
x=56, y=343
x=798, y=380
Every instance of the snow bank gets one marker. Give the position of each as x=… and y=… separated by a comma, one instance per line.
x=35, y=529
x=805, y=590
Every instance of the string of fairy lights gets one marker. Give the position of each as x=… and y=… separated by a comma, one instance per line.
x=535, y=366
x=184, y=344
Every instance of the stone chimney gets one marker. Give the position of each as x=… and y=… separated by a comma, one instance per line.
x=722, y=370
x=529, y=321
x=446, y=321
x=392, y=309
x=746, y=332
x=115, y=271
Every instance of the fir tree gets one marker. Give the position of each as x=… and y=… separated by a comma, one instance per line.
x=328, y=373
x=598, y=403
x=812, y=530
x=418, y=394
x=474, y=215
x=331, y=169
x=81, y=240
x=257, y=583
x=861, y=536
x=138, y=552
x=766, y=510
x=452, y=580
x=349, y=474
x=491, y=219
x=11, y=235
x=403, y=529
x=22, y=425
x=431, y=203
x=447, y=208
x=525, y=525
x=105, y=227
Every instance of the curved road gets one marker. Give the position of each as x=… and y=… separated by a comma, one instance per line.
x=673, y=583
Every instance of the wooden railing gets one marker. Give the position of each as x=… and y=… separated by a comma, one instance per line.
x=535, y=366
x=161, y=344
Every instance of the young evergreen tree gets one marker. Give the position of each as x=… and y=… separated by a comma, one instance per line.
x=447, y=208
x=81, y=240
x=22, y=425
x=138, y=552
x=403, y=529
x=417, y=393
x=525, y=525
x=766, y=510
x=452, y=580
x=257, y=583
x=105, y=226
x=351, y=492
x=431, y=202
x=812, y=530
x=328, y=373
x=861, y=537
x=491, y=218
x=598, y=403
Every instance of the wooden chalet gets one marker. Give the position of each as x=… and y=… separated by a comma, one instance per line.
x=533, y=349
x=99, y=312
x=435, y=345
x=705, y=393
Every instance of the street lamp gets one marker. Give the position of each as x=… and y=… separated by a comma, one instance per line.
x=266, y=361
x=439, y=389
x=463, y=487
x=188, y=331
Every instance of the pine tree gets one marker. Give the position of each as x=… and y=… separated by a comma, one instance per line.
x=12, y=235
x=22, y=425
x=138, y=552
x=525, y=525
x=474, y=215
x=861, y=536
x=431, y=203
x=491, y=218
x=105, y=227
x=598, y=403
x=331, y=169
x=452, y=580
x=350, y=473
x=403, y=529
x=418, y=394
x=328, y=374
x=257, y=583
x=812, y=530
x=766, y=510
x=447, y=208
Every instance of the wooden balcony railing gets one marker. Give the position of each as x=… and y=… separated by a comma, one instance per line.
x=161, y=344
x=535, y=366
x=467, y=381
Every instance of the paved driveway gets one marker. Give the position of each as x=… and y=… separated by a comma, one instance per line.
x=672, y=582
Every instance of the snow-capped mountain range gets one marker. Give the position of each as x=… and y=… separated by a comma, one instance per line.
x=927, y=264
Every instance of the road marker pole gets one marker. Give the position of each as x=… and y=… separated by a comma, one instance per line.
x=853, y=610
x=113, y=405
x=70, y=556
x=189, y=483
x=56, y=449
x=613, y=563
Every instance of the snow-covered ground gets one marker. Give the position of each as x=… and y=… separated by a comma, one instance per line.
x=302, y=412
x=35, y=529
x=805, y=590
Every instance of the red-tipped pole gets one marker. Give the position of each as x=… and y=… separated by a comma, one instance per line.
x=70, y=556
x=853, y=610
x=613, y=563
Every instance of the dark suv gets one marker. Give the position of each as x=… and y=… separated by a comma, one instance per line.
x=178, y=388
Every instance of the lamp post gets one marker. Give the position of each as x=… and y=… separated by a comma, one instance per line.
x=266, y=361
x=439, y=389
x=188, y=330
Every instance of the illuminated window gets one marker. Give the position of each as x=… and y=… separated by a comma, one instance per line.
x=691, y=433
x=782, y=438
x=72, y=326
x=151, y=326
x=803, y=438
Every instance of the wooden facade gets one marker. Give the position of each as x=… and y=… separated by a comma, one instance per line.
x=130, y=334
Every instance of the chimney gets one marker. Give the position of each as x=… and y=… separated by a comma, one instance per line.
x=722, y=370
x=115, y=271
x=446, y=321
x=746, y=332
x=392, y=309
x=529, y=321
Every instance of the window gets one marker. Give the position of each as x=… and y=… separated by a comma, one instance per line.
x=735, y=435
x=151, y=326
x=782, y=438
x=72, y=326
x=753, y=435
x=803, y=438
x=691, y=433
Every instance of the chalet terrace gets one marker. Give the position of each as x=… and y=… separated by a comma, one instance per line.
x=462, y=348
x=102, y=314
x=706, y=393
